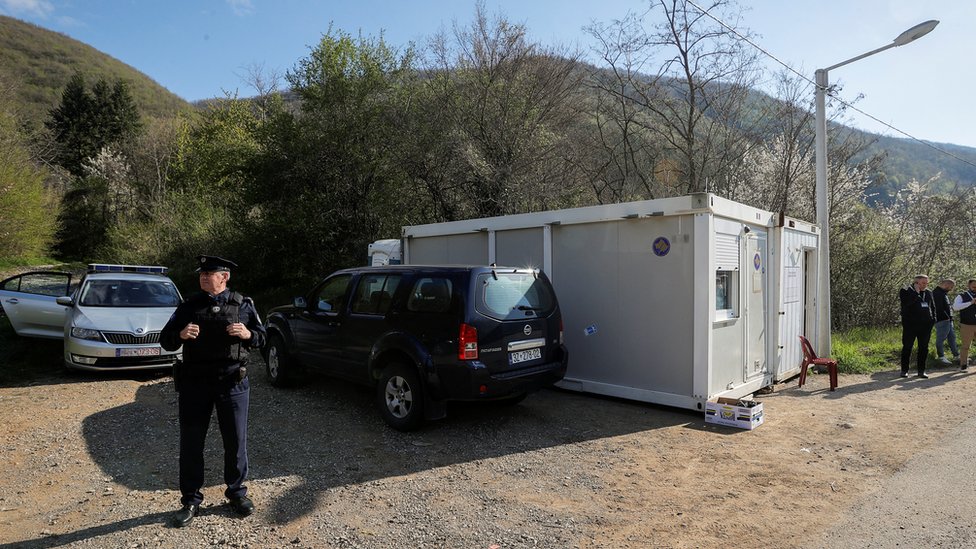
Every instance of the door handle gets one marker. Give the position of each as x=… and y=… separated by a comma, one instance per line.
x=13, y=301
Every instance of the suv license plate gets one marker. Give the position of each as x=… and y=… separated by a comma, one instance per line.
x=524, y=356
x=138, y=351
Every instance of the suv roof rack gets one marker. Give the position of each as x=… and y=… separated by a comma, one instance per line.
x=112, y=268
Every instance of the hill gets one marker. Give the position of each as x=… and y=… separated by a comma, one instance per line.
x=908, y=159
x=36, y=63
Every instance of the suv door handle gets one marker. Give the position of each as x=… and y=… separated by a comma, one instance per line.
x=13, y=301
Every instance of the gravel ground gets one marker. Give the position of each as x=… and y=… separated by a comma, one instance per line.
x=90, y=461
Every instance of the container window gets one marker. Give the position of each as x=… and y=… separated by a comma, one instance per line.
x=726, y=295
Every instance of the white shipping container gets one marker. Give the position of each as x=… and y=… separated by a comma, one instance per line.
x=672, y=301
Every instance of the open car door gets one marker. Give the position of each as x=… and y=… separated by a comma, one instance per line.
x=30, y=302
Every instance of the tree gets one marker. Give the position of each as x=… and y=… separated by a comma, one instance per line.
x=692, y=77
x=507, y=107
x=28, y=210
x=85, y=122
x=326, y=180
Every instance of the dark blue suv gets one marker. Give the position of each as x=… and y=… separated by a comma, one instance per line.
x=424, y=335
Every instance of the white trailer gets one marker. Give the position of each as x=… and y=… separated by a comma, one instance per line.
x=672, y=301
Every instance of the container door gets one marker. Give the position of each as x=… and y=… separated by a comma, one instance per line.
x=755, y=298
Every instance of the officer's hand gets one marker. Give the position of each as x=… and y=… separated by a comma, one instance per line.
x=190, y=332
x=239, y=330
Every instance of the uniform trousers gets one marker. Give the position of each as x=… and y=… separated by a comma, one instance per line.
x=197, y=401
x=910, y=333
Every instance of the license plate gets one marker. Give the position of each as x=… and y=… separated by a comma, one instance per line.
x=523, y=356
x=138, y=351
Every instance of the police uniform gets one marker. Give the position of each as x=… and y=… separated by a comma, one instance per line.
x=213, y=375
x=917, y=319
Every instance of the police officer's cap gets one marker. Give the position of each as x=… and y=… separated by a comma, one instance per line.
x=210, y=263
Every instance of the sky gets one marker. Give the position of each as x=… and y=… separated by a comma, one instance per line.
x=200, y=49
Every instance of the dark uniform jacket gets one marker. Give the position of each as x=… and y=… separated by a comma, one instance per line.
x=916, y=307
x=213, y=354
x=943, y=305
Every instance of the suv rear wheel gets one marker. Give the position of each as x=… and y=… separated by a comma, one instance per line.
x=400, y=397
x=279, y=364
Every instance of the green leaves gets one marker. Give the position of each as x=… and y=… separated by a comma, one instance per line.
x=28, y=210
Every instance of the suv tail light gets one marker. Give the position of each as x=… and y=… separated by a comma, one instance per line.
x=560, y=331
x=467, y=343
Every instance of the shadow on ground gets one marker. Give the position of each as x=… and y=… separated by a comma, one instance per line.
x=327, y=434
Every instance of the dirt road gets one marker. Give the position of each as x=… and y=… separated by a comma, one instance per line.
x=90, y=461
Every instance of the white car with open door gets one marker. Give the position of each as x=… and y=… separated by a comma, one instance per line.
x=30, y=302
x=109, y=321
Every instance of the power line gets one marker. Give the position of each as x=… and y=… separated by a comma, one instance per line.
x=828, y=90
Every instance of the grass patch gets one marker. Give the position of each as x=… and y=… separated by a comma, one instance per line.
x=869, y=350
x=18, y=263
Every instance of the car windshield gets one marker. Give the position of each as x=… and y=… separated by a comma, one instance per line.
x=129, y=293
x=514, y=295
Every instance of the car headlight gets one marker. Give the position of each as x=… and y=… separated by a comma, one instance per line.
x=85, y=333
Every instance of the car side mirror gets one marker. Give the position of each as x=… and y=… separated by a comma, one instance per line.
x=66, y=301
x=299, y=303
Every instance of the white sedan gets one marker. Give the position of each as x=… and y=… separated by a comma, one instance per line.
x=109, y=321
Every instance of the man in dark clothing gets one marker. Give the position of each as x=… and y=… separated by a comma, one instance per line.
x=943, y=320
x=216, y=328
x=917, y=319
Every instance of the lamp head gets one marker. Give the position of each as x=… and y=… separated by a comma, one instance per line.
x=916, y=32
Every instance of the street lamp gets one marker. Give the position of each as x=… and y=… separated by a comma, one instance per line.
x=823, y=308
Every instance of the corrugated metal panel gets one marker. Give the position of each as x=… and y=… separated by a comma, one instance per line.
x=726, y=252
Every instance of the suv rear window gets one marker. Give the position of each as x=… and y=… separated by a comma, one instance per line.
x=513, y=296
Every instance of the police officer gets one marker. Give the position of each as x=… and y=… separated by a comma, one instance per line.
x=917, y=319
x=216, y=328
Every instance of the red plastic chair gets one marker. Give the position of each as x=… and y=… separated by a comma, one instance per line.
x=810, y=358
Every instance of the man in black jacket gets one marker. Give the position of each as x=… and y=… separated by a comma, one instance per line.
x=917, y=319
x=216, y=328
x=943, y=320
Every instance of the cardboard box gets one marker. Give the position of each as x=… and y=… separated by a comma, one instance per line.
x=744, y=414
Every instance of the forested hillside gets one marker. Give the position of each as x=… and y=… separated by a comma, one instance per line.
x=907, y=160
x=38, y=63
x=478, y=121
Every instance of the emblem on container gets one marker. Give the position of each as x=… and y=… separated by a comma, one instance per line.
x=661, y=246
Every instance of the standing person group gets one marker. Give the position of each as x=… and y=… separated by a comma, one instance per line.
x=921, y=309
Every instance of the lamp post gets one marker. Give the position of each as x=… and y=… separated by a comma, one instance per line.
x=823, y=205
